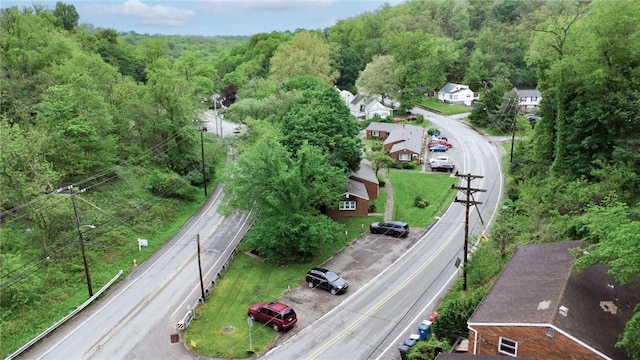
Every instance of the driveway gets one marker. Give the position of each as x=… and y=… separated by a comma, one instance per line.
x=358, y=263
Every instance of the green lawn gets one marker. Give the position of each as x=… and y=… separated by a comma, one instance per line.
x=444, y=109
x=249, y=280
x=433, y=187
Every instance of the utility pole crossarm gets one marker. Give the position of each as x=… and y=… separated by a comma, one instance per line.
x=468, y=202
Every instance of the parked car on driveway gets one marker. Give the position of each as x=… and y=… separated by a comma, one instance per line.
x=276, y=314
x=326, y=279
x=442, y=165
x=439, y=158
x=438, y=148
x=390, y=227
x=440, y=141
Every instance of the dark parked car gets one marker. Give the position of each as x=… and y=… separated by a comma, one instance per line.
x=326, y=279
x=442, y=165
x=438, y=148
x=276, y=314
x=391, y=228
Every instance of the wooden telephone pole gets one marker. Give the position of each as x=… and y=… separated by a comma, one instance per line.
x=468, y=202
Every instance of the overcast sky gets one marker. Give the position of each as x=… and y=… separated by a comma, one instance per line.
x=213, y=17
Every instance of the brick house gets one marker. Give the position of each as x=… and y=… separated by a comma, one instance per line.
x=380, y=130
x=539, y=307
x=363, y=186
x=406, y=143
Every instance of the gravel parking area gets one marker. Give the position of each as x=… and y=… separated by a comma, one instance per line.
x=358, y=263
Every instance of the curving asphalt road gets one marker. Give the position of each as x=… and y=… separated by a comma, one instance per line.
x=374, y=320
x=137, y=318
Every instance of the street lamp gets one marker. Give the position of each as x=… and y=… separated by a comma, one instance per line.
x=84, y=257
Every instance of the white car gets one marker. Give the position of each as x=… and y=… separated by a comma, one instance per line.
x=439, y=158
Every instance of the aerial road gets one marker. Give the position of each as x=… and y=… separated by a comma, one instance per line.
x=137, y=318
x=372, y=322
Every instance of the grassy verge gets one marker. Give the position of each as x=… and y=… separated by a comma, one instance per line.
x=434, y=188
x=249, y=280
x=443, y=108
x=126, y=212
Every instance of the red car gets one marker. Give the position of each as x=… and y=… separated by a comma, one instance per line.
x=440, y=142
x=276, y=314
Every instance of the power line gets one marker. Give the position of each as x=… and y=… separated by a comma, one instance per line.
x=468, y=202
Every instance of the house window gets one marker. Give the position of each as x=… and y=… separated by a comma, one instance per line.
x=347, y=205
x=404, y=157
x=523, y=99
x=508, y=347
x=534, y=98
x=375, y=133
x=361, y=108
x=455, y=97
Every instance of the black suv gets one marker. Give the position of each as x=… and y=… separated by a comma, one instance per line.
x=326, y=279
x=391, y=228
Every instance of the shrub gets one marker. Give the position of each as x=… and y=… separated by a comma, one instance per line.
x=433, y=131
x=409, y=165
x=427, y=349
x=372, y=208
x=376, y=147
x=419, y=202
x=170, y=185
x=381, y=182
x=453, y=314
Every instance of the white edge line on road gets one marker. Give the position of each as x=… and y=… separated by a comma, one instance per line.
x=207, y=275
x=132, y=282
x=420, y=314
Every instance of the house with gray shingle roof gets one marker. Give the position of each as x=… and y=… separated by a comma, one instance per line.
x=363, y=186
x=405, y=143
x=453, y=93
x=528, y=100
x=363, y=107
x=540, y=307
x=380, y=130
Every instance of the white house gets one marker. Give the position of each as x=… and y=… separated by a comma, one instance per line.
x=360, y=106
x=374, y=108
x=529, y=100
x=457, y=94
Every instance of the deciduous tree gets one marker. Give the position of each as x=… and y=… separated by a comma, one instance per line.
x=306, y=54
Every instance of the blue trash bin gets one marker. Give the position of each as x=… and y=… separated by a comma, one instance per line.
x=424, y=329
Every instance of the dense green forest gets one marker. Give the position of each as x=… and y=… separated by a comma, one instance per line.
x=107, y=123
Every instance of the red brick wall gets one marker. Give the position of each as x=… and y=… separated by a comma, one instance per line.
x=372, y=188
x=383, y=135
x=532, y=342
x=396, y=154
x=362, y=209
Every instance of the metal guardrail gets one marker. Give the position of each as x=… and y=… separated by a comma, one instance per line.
x=64, y=319
x=183, y=324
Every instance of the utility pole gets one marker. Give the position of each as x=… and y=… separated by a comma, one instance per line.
x=200, y=269
x=204, y=173
x=84, y=256
x=468, y=202
x=513, y=134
